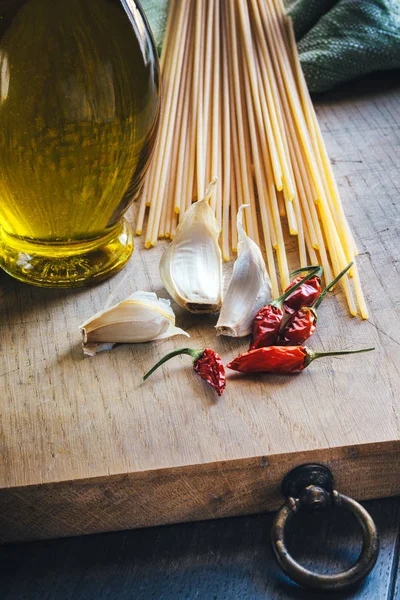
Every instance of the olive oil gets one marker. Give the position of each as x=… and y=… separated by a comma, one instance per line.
x=78, y=116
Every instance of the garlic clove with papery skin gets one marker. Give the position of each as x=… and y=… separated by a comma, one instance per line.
x=191, y=266
x=142, y=317
x=249, y=288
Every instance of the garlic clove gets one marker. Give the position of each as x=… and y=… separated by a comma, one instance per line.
x=249, y=288
x=142, y=317
x=93, y=349
x=191, y=266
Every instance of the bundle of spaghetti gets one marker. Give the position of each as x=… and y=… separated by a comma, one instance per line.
x=235, y=106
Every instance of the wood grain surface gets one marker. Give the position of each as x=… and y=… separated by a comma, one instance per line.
x=230, y=559
x=85, y=446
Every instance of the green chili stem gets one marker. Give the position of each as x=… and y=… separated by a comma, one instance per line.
x=314, y=355
x=279, y=301
x=308, y=269
x=195, y=354
x=330, y=285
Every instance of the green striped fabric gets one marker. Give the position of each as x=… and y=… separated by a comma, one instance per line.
x=338, y=40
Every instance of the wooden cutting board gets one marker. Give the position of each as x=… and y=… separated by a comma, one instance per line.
x=85, y=446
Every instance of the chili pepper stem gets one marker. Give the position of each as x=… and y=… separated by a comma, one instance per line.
x=308, y=269
x=311, y=355
x=331, y=284
x=195, y=354
x=279, y=301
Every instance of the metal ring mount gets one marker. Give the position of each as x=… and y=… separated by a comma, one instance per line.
x=311, y=486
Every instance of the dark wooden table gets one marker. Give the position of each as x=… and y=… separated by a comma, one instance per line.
x=229, y=559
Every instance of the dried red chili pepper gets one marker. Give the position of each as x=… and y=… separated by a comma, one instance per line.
x=303, y=322
x=268, y=320
x=206, y=363
x=306, y=294
x=281, y=359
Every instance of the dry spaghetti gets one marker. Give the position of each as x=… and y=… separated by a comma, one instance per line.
x=236, y=107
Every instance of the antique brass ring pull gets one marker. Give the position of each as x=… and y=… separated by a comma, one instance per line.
x=311, y=486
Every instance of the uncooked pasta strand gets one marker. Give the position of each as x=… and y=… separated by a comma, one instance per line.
x=178, y=190
x=198, y=90
x=269, y=98
x=263, y=121
x=261, y=187
x=234, y=55
x=167, y=125
x=226, y=137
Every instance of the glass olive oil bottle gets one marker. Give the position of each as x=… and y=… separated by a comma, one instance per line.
x=79, y=104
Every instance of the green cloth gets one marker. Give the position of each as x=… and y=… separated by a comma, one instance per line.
x=156, y=13
x=348, y=39
x=338, y=40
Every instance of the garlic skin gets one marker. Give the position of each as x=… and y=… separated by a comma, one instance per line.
x=191, y=266
x=249, y=288
x=142, y=317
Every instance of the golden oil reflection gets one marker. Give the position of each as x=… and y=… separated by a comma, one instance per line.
x=4, y=76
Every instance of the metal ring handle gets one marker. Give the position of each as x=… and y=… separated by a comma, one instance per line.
x=315, y=496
